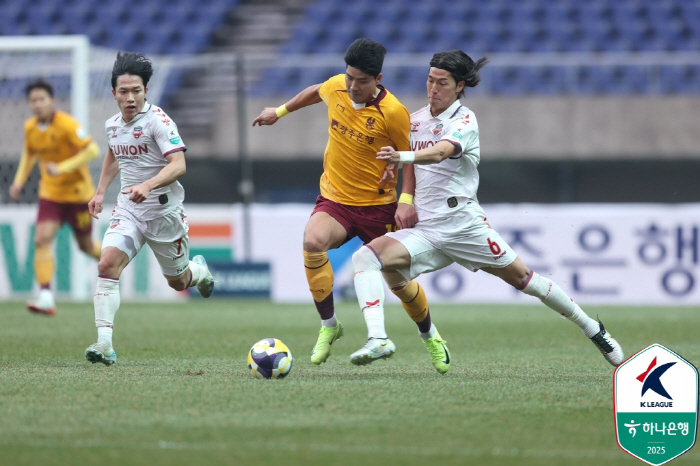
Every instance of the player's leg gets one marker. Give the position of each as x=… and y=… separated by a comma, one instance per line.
x=48, y=223
x=168, y=239
x=323, y=232
x=517, y=274
x=121, y=243
x=180, y=272
x=368, y=262
x=424, y=257
x=81, y=222
x=371, y=223
x=106, y=299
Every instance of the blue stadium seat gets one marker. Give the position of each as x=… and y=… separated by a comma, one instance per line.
x=680, y=79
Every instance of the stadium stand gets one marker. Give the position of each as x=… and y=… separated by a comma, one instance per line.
x=502, y=26
x=153, y=26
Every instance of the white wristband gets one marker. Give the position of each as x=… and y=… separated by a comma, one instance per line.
x=407, y=156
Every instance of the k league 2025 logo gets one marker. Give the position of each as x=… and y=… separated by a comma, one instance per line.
x=656, y=405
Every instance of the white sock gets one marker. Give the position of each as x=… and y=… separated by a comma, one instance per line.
x=429, y=334
x=555, y=298
x=374, y=317
x=197, y=271
x=329, y=323
x=370, y=290
x=106, y=300
x=105, y=334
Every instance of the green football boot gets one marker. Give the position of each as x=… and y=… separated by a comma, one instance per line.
x=439, y=354
x=326, y=337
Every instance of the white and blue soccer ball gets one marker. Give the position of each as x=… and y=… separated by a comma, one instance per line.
x=270, y=359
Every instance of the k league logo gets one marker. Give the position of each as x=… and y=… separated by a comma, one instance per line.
x=656, y=405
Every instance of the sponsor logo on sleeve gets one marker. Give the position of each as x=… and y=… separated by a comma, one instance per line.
x=174, y=137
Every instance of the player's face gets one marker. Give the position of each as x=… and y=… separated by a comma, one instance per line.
x=442, y=90
x=41, y=104
x=361, y=86
x=130, y=94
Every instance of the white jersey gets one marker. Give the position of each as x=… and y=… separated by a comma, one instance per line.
x=140, y=147
x=449, y=186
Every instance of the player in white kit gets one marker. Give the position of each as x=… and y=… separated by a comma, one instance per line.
x=145, y=147
x=451, y=225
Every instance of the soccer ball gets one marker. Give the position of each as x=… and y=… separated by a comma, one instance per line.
x=270, y=359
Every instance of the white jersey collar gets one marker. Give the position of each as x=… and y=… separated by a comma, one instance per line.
x=144, y=111
x=449, y=112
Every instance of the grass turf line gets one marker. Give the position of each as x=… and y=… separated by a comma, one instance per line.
x=525, y=387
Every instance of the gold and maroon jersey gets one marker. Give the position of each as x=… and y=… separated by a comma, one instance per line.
x=356, y=132
x=61, y=139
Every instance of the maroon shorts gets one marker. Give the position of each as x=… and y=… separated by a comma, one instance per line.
x=76, y=215
x=366, y=222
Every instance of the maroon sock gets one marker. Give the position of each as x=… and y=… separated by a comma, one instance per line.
x=325, y=307
x=425, y=324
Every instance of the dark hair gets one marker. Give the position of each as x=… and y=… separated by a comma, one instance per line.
x=460, y=66
x=366, y=55
x=39, y=84
x=132, y=63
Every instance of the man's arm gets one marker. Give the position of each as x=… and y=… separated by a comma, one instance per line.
x=308, y=96
x=83, y=157
x=427, y=156
x=405, y=215
x=110, y=168
x=170, y=173
x=26, y=163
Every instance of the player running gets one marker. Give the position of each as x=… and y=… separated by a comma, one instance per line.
x=452, y=226
x=357, y=197
x=64, y=150
x=145, y=147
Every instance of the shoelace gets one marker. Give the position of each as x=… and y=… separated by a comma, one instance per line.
x=435, y=348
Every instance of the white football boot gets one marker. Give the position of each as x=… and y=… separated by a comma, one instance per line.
x=375, y=348
x=205, y=285
x=101, y=351
x=608, y=346
x=44, y=303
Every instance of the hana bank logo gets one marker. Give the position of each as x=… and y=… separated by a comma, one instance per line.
x=651, y=379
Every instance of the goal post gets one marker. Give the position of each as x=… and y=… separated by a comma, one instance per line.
x=79, y=48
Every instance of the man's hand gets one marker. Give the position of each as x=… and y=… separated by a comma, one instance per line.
x=388, y=173
x=405, y=216
x=267, y=117
x=95, y=205
x=16, y=191
x=139, y=193
x=388, y=154
x=52, y=169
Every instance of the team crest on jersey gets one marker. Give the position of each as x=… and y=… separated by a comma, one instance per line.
x=437, y=130
x=369, y=124
x=138, y=132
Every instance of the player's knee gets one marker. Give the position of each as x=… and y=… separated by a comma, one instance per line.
x=366, y=259
x=314, y=243
x=178, y=284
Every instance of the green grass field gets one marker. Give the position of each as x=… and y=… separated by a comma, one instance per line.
x=525, y=388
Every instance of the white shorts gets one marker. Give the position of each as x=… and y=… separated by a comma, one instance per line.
x=167, y=237
x=437, y=243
